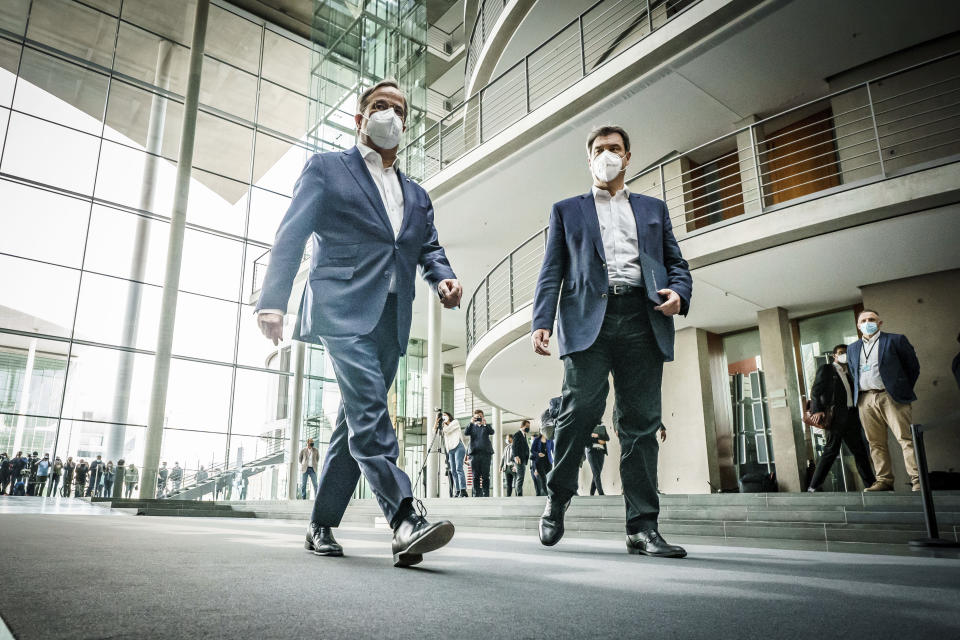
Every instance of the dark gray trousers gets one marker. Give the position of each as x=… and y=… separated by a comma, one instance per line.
x=625, y=347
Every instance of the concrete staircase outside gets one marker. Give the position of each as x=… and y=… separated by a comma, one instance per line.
x=826, y=518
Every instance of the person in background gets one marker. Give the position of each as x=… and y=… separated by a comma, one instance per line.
x=43, y=471
x=131, y=476
x=96, y=473
x=176, y=476
x=481, y=450
x=833, y=391
x=68, y=470
x=541, y=462
x=32, y=465
x=596, y=452
x=17, y=464
x=109, y=475
x=162, y=474
x=521, y=455
x=456, y=452
x=309, y=463
x=4, y=472
x=202, y=475
x=56, y=472
x=885, y=369
x=80, y=478
x=508, y=466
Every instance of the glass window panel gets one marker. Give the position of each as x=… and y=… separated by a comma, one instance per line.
x=211, y=265
x=261, y=402
x=135, y=179
x=283, y=110
x=277, y=164
x=253, y=348
x=286, y=62
x=27, y=433
x=198, y=396
x=205, y=328
x=264, y=475
x=27, y=154
x=129, y=113
x=228, y=89
x=192, y=449
x=37, y=297
x=4, y=118
x=152, y=59
x=13, y=15
x=222, y=147
x=42, y=225
x=32, y=374
x=82, y=440
x=217, y=203
x=118, y=312
x=112, y=245
x=254, y=270
x=64, y=93
x=99, y=376
x=9, y=62
x=233, y=39
x=110, y=6
x=266, y=212
x=171, y=18
x=90, y=35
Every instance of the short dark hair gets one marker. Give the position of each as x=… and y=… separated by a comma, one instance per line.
x=480, y=411
x=608, y=130
x=863, y=311
x=839, y=346
x=389, y=82
x=525, y=423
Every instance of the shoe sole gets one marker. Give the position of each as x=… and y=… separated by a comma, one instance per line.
x=333, y=553
x=432, y=540
x=639, y=552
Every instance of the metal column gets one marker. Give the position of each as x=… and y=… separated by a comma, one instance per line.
x=296, y=420
x=433, y=395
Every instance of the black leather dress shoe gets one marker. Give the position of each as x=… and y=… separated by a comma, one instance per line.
x=414, y=536
x=551, y=522
x=321, y=542
x=651, y=543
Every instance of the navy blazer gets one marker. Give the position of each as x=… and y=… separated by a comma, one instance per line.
x=574, y=271
x=899, y=367
x=336, y=204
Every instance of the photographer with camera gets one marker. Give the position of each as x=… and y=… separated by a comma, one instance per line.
x=481, y=451
x=456, y=452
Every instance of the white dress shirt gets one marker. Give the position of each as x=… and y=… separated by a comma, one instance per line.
x=391, y=195
x=618, y=228
x=870, y=377
x=842, y=372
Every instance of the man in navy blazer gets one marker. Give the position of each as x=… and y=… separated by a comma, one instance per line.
x=370, y=227
x=885, y=369
x=597, y=264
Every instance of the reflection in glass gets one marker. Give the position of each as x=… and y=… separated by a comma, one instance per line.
x=283, y=110
x=171, y=18
x=13, y=15
x=286, y=62
x=222, y=147
x=90, y=35
x=136, y=117
x=21, y=309
x=73, y=166
x=233, y=39
x=228, y=89
x=32, y=374
x=277, y=164
x=64, y=93
x=152, y=59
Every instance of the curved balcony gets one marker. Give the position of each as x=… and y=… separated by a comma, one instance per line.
x=894, y=139
x=587, y=43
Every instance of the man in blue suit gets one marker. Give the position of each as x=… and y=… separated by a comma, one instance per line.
x=600, y=248
x=885, y=368
x=370, y=227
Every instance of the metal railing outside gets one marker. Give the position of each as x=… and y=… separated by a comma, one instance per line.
x=606, y=29
x=261, y=263
x=901, y=122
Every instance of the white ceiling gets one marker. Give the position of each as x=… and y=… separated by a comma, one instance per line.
x=778, y=60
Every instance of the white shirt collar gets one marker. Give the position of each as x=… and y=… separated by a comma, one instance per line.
x=371, y=155
x=867, y=340
x=603, y=193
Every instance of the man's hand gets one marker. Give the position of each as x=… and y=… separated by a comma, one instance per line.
x=516, y=459
x=541, y=455
x=541, y=342
x=450, y=293
x=271, y=324
x=817, y=417
x=670, y=306
x=663, y=435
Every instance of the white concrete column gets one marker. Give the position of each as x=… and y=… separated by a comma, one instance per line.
x=296, y=419
x=432, y=384
x=24, y=403
x=496, y=479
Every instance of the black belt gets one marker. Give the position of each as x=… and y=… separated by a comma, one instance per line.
x=622, y=290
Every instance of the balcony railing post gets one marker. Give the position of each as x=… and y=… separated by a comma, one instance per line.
x=663, y=186
x=487, y=291
x=583, y=49
x=649, y=18
x=480, y=116
x=512, y=308
x=756, y=166
x=439, y=145
x=526, y=80
x=876, y=132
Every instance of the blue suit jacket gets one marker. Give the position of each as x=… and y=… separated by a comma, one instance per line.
x=336, y=205
x=899, y=367
x=574, y=271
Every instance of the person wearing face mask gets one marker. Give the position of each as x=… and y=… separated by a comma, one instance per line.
x=370, y=227
x=609, y=254
x=885, y=369
x=832, y=391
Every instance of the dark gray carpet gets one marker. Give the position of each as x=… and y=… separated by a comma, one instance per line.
x=77, y=576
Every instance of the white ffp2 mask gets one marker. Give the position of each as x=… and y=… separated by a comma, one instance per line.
x=606, y=166
x=384, y=128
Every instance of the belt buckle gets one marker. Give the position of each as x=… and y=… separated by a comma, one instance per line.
x=620, y=289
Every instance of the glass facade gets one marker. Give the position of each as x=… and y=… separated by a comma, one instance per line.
x=90, y=119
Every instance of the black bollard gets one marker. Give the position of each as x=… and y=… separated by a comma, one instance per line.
x=118, y=480
x=933, y=538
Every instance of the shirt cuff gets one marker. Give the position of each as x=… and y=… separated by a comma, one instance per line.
x=280, y=311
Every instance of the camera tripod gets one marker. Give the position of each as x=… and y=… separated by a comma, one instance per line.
x=441, y=448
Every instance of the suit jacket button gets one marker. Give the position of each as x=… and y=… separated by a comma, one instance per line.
x=603, y=295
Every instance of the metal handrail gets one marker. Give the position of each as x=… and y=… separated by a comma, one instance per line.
x=467, y=120
x=782, y=162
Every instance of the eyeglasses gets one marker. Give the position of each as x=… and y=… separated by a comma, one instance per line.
x=383, y=105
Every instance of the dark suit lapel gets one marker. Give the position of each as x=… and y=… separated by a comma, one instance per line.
x=408, y=196
x=884, y=343
x=642, y=235
x=589, y=209
x=358, y=169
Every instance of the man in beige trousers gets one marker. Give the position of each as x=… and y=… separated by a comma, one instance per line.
x=885, y=369
x=309, y=459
